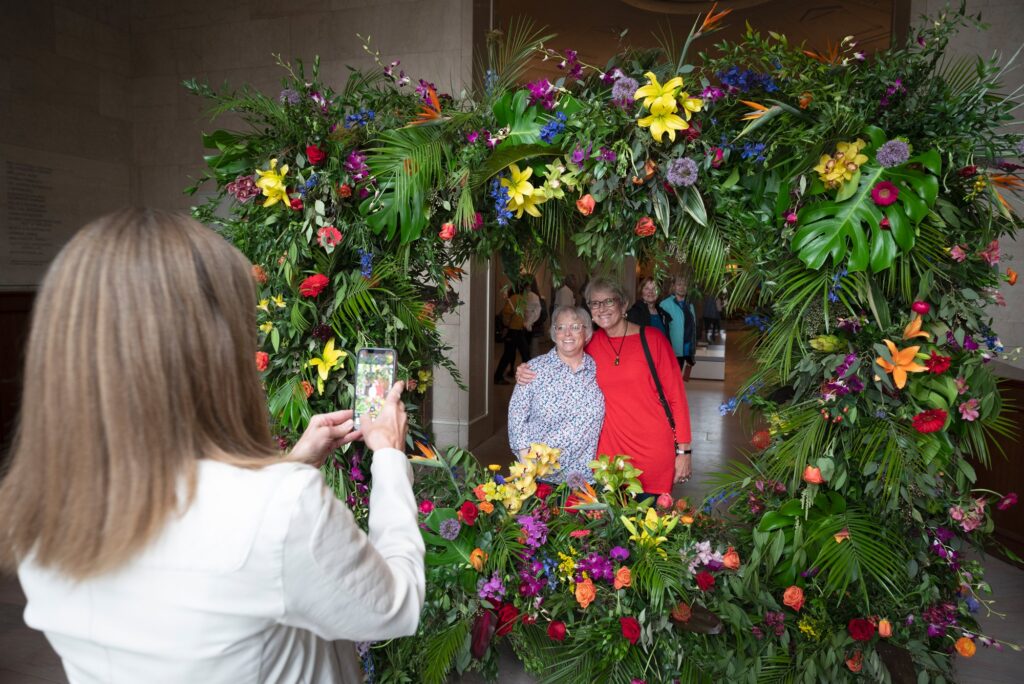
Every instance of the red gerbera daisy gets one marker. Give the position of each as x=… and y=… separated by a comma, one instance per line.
x=937, y=364
x=931, y=420
x=884, y=193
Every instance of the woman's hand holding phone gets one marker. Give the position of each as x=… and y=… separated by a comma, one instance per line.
x=325, y=433
x=388, y=429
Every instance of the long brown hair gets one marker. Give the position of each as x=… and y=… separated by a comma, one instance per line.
x=141, y=360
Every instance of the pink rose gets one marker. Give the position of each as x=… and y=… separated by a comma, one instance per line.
x=447, y=231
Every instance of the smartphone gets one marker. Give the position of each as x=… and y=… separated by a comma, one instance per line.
x=375, y=374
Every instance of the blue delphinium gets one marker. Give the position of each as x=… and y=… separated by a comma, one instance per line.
x=745, y=80
x=728, y=407
x=360, y=118
x=309, y=185
x=499, y=194
x=552, y=129
x=833, y=291
x=753, y=150
x=365, y=263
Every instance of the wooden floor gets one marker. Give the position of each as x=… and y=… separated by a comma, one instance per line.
x=26, y=658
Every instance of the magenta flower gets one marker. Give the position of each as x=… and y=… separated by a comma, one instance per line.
x=472, y=137
x=426, y=506
x=791, y=218
x=884, y=193
x=1007, y=501
x=991, y=253
x=961, y=385
x=958, y=254
x=969, y=410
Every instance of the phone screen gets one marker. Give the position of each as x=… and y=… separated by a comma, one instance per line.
x=375, y=374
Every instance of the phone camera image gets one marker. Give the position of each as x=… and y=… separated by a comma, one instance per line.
x=375, y=374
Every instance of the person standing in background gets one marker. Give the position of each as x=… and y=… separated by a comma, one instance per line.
x=566, y=295
x=682, y=328
x=516, y=334
x=712, y=318
x=532, y=315
x=647, y=311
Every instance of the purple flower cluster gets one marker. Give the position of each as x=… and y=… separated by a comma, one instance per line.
x=623, y=91
x=609, y=77
x=572, y=64
x=893, y=153
x=969, y=343
x=449, y=529
x=401, y=79
x=711, y=94
x=243, y=188
x=532, y=579
x=607, y=154
x=542, y=92
x=580, y=155
x=423, y=90
x=535, y=532
x=775, y=621
x=850, y=326
x=596, y=566
x=897, y=88
x=355, y=164
x=940, y=617
x=843, y=385
x=491, y=589
x=619, y=553
x=681, y=172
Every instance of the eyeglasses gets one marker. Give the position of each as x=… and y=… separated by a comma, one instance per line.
x=574, y=327
x=603, y=304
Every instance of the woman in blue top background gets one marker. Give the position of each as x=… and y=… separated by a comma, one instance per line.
x=683, y=325
x=647, y=311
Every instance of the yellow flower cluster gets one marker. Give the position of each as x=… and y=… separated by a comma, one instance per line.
x=663, y=101
x=652, y=530
x=522, y=481
x=567, y=567
x=836, y=169
x=807, y=626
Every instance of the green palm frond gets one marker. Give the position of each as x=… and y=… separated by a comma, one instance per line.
x=960, y=73
x=509, y=51
x=440, y=651
x=706, y=249
x=776, y=669
x=505, y=155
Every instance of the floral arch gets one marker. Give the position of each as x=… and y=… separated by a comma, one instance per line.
x=858, y=202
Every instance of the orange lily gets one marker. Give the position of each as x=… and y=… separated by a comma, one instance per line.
x=913, y=330
x=759, y=110
x=477, y=559
x=710, y=22
x=904, y=363
x=429, y=112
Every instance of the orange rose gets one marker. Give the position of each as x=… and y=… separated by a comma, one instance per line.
x=480, y=493
x=585, y=593
x=794, y=597
x=307, y=388
x=731, y=559
x=1011, y=276
x=812, y=475
x=681, y=505
x=644, y=227
x=477, y=559
x=965, y=647
x=486, y=506
x=585, y=205
x=649, y=168
x=623, y=578
x=681, y=613
x=262, y=361
x=686, y=519
x=856, y=662
x=884, y=628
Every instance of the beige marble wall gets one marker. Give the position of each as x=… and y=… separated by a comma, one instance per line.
x=1004, y=36
x=65, y=126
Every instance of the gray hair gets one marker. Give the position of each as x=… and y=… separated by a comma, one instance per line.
x=579, y=313
x=607, y=284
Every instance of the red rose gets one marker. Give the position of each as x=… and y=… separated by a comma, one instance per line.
x=507, y=617
x=543, y=491
x=931, y=420
x=483, y=630
x=468, y=512
x=556, y=630
x=937, y=364
x=315, y=155
x=630, y=629
x=761, y=440
x=705, y=580
x=861, y=629
x=644, y=227
x=262, y=361
x=313, y=285
x=296, y=203
x=344, y=191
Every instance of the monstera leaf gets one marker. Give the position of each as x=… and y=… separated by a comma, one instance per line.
x=513, y=112
x=852, y=222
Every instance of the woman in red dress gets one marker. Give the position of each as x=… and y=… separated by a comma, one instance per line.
x=635, y=421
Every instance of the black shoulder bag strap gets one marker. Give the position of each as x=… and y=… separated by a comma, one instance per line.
x=657, y=380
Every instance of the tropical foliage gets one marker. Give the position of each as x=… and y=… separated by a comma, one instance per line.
x=852, y=203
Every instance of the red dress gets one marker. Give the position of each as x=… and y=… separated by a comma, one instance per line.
x=635, y=423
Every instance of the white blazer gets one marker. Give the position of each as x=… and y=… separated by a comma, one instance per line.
x=265, y=578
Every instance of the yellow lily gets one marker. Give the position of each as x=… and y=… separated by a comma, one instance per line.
x=278, y=301
x=759, y=110
x=271, y=182
x=663, y=120
x=654, y=91
x=325, y=364
x=530, y=203
x=913, y=330
x=267, y=327
x=904, y=363
x=519, y=187
x=690, y=105
x=264, y=304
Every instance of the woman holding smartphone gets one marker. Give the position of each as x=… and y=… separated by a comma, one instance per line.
x=158, y=534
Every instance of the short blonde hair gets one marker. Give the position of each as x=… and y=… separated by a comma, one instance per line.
x=141, y=360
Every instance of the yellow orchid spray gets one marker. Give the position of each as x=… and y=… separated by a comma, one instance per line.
x=271, y=182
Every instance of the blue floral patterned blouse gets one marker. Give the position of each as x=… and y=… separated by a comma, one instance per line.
x=562, y=408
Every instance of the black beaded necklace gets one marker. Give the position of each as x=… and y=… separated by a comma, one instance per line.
x=622, y=342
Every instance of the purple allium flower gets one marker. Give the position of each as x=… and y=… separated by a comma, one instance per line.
x=289, y=96
x=619, y=553
x=491, y=589
x=893, y=153
x=449, y=529
x=622, y=92
x=681, y=172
